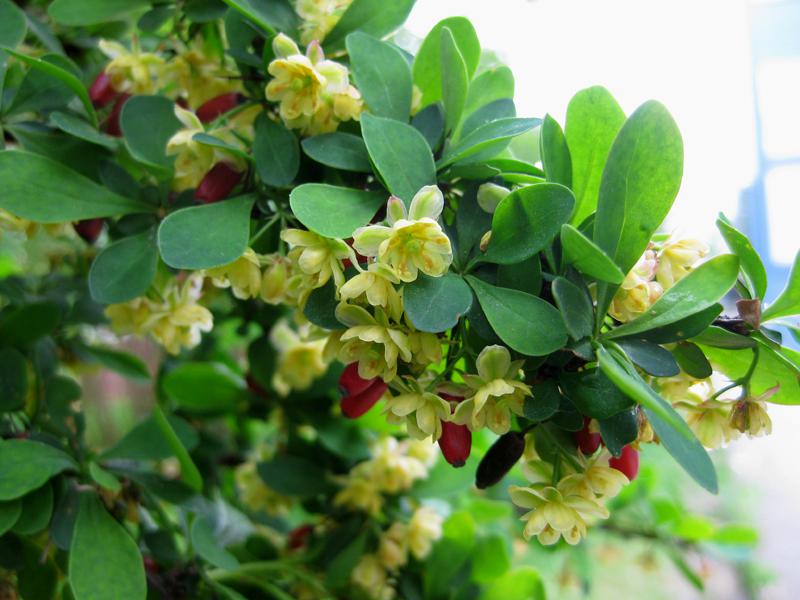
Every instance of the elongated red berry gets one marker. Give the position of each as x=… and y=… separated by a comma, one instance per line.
x=111, y=124
x=211, y=109
x=358, y=404
x=217, y=183
x=89, y=229
x=587, y=442
x=627, y=463
x=351, y=383
x=299, y=536
x=101, y=91
x=455, y=443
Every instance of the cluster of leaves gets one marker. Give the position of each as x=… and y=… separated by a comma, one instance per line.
x=587, y=202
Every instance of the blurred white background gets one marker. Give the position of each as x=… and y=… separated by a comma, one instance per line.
x=695, y=56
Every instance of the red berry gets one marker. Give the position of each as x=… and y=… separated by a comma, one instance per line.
x=351, y=383
x=215, y=107
x=627, y=463
x=150, y=565
x=298, y=536
x=254, y=387
x=455, y=443
x=358, y=404
x=112, y=122
x=217, y=183
x=101, y=91
x=89, y=229
x=587, y=442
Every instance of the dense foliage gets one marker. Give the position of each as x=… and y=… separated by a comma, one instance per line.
x=350, y=249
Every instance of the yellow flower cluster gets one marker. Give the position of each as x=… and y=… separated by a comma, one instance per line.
x=319, y=17
x=314, y=94
x=175, y=320
x=300, y=356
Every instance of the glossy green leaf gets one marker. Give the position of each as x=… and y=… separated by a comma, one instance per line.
x=189, y=473
x=125, y=269
x=651, y=358
x=124, y=363
x=454, y=79
x=293, y=476
x=205, y=543
x=701, y=288
x=692, y=360
x=202, y=237
x=27, y=465
x=147, y=442
x=640, y=181
x=683, y=329
x=526, y=221
x=449, y=554
x=545, y=401
x=490, y=85
x=427, y=62
x=9, y=513
x=103, y=478
x=593, y=120
x=526, y=323
x=276, y=152
x=13, y=25
x=523, y=583
x=722, y=338
x=594, y=394
x=382, y=75
x=576, y=308
x=494, y=111
x=486, y=141
x=204, y=387
x=13, y=379
x=490, y=558
x=400, y=154
x=100, y=545
x=339, y=150
x=92, y=12
x=42, y=190
x=525, y=276
x=79, y=128
x=435, y=304
x=587, y=257
x=378, y=18
x=272, y=17
x=430, y=123
x=555, y=152
x=321, y=305
x=471, y=223
x=155, y=18
x=206, y=139
x=788, y=301
x=40, y=91
x=147, y=124
x=755, y=275
x=37, y=508
x=28, y=323
x=333, y=211
x=619, y=430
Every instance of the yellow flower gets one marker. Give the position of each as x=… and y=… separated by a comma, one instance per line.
x=275, y=282
x=319, y=17
x=426, y=349
x=422, y=411
x=555, y=512
x=300, y=357
x=412, y=242
x=393, y=546
x=192, y=159
x=638, y=291
x=496, y=392
x=256, y=495
x=424, y=528
x=709, y=420
x=317, y=256
x=676, y=260
x=391, y=468
x=201, y=77
x=749, y=415
x=376, y=285
x=596, y=480
x=132, y=71
x=243, y=275
x=360, y=493
x=371, y=576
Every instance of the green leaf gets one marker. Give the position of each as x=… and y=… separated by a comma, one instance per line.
x=272, y=17
x=276, y=152
x=205, y=544
x=9, y=513
x=382, y=76
x=189, y=473
x=525, y=276
x=651, y=358
x=435, y=304
x=321, y=305
x=490, y=139
x=103, y=478
x=490, y=85
x=471, y=223
x=490, y=559
x=28, y=465
x=63, y=75
x=204, y=388
x=692, y=360
x=93, y=12
x=207, y=236
x=378, y=18
x=37, y=508
x=339, y=150
x=722, y=338
x=701, y=288
x=526, y=221
x=293, y=476
x=401, y=155
x=12, y=24
x=124, y=363
x=430, y=123
x=333, y=211
x=575, y=306
x=555, y=153
x=79, y=128
x=147, y=442
x=523, y=583
x=454, y=79
x=147, y=124
x=13, y=380
x=545, y=401
x=427, y=62
x=674, y=433
x=640, y=181
x=42, y=190
x=755, y=275
x=450, y=554
x=593, y=120
x=788, y=301
x=494, y=111
x=594, y=394
x=619, y=430
x=206, y=139
x=27, y=323
x=125, y=269
x=587, y=257
x=101, y=545
x=526, y=323
x=684, y=329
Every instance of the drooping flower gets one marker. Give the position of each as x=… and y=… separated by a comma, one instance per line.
x=393, y=546
x=413, y=241
x=278, y=270
x=597, y=480
x=424, y=528
x=300, y=356
x=319, y=17
x=638, y=291
x=243, y=275
x=676, y=259
x=709, y=420
x=371, y=576
x=422, y=411
x=192, y=159
x=201, y=76
x=376, y=285
x=319, y=257
x=360, y=493
x=133, y=71
x=497, y=392
x=749, y=415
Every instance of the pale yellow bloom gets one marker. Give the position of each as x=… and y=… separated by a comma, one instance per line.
x=709, y=420
x=371, y=576
x=425, y=451
x=360, y=493
x=676, y=260
x=497, y=392
x=300, y=357
x=243, y=275
x=749, y=415
x=192, y=159
x=319, y=17
x=424, y=528
x=317, y=256
x=376, y=286
x=421, y=410
x=132, y=71
x=200, y=76
x=413, y=241
x=638, y=291
x=276, y=279
x=256, y=495
x=597, y=480
x=392, y=469
x=393, y=546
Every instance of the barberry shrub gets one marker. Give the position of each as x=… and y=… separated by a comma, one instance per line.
x=363, y=280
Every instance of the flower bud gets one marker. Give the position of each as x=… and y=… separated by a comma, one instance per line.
x=358, y=404
x=284, y=46
x=588, y=442
x=217, y=183
x=89, y=229
x=217, y=106
x=627, y=463
x=490, y=195
x=487, y=237
x=455, y=443
x=500, y=458
x=101, y=91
